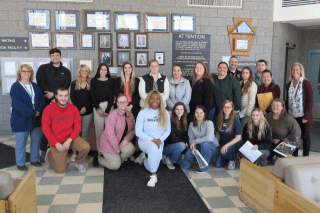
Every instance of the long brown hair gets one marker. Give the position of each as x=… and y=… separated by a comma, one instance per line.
x=263, y=123
x=131, y=81
x=249, y=81
x=195, y=121
x=175, y=119
x=283, y=112
x=206, y=74
x=230, y=119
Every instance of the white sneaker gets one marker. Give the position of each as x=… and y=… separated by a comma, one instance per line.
x=73, y=157
x=81, y=167
x=232, y=165
x=46, y=157
x=169, y=163
x=164, y=157
x=152, y=181
x=140, y=159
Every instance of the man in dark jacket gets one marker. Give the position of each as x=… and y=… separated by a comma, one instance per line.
x=233, y=64
x=49, y=78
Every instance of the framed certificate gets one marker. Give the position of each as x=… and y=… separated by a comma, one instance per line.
x=96, y=20
x=141, y=59
x=183, y=23
x=87, y=41
x=126, y=21
x=241, y=45
x=105, y=56
x=40, y=40
x=141, y=40
x=105, y=40
x=67, y=20
x=38, y=19
x=86, y=61
x=159, y=56
x=123, y=40
x=122, y=56
x=65, y=41
x=157, y=22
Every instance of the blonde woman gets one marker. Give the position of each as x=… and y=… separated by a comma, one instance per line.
x=81, y=98
x=27, y=105
x=152, y=129
x=259, y=133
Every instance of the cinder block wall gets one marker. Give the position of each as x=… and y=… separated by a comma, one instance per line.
x=211, y=21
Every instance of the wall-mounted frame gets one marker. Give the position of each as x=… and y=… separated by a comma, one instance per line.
x=38, y=19
x=65, y=40
x=87, y=41
x=40, y=40
x=67, y=20
x=105, y=40
x=105, y=56
x=122, y=56
x=183, y=23
x=141, y=40
x=159, y=56
x=141, y=58
x=157, y=22
x=128, y=21
x=86, y=61
x=123, y=40
x=96, y=20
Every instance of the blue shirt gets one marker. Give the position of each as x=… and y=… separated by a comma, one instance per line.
x=226, y=136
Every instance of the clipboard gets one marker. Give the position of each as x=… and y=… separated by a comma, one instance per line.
x=264, y=100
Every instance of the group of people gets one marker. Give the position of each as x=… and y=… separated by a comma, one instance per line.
x=154, y=118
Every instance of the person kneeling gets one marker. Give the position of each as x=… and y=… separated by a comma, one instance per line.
x=61, y=124
x=115, y=140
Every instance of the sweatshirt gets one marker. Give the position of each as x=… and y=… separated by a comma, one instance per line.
x=204, y=131
x=59, y=124
x=147, y=127
x=177, y=135
x=266, y=137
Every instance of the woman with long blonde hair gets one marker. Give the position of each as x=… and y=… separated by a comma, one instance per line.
x=81, y=98
x=152, y=129
x=230, y=131
x=259, y=133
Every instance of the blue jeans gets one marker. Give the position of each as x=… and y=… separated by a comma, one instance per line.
x=21, y=142
x=173, y=151
x=207, y=150
x=228, y=155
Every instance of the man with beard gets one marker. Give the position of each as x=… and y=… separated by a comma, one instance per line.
x=50, y=77
x=61, y=124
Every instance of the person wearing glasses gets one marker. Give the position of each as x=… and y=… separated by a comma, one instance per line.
x=115, y=143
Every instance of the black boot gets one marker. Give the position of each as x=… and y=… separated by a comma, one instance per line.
x=95, y=162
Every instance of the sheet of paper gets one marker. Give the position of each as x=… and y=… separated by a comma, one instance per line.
x=113, y=70
x=98, y=21
x=38, y=19
x=44, y=62
x=251, y=154
x=243, y=113
x=67, y=20
x=40, y=40
x=10, y=68
x=87, y=41
x=127, y=21
x=64, y=41
x=9, y=82
x=29, y=63
x=157, y=23
x=184, y=23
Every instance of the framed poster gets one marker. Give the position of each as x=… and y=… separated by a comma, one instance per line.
x=86, y=61
x=105, y=40
x=141, y=41
x=65, y=41
x=38, y=19
x=123, y=40
x=159, y=56
x=87, y=41
x=96, y=20
x=141, y=58
x=126, y=21
x=157, y=22
x=67, y=20
x=105, y=56
x=185, y=23
x=122, y=56
x=39, y=40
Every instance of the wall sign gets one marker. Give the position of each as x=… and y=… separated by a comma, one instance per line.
x=14, y=44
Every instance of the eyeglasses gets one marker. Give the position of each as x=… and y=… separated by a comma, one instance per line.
x=276, y=105
x=227, y=107
x=26, y=71
x=122, y=102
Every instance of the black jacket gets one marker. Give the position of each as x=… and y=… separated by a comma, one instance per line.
x=148, y=79
x=50, y=78
x=177, y=135
x=266, y=138
x=81, y=98
x=236, y=74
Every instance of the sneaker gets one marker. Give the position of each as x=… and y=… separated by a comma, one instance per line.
x=169, y=163
x=164, y=157
x=81, y=167
x=140, y=159
x=36, y=164
x=73, y=157
x=232, y=165
x=23, y=168
x=200, y=172
x=46, y=157
x=43, y=156
x=95, y=162
x=152, y=181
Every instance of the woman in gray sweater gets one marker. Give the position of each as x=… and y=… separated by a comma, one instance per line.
x=201, y=138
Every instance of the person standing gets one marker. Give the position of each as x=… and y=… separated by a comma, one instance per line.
x=233, y=64
x=27, y=104
x=261, y=66
x=299, y=103
x=49, y=78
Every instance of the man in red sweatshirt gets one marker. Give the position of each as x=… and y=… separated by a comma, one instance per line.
x=61, y=124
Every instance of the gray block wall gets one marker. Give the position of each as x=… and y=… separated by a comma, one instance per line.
x=212, y=21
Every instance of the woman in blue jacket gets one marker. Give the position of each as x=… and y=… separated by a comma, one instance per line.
x=27, y=105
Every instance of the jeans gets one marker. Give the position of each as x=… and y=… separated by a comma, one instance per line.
x=173, y=151
x=21, y=142
x=228, y=155
x=207, y=150
x=86, y=121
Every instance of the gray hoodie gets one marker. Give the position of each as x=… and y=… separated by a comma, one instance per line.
x=181, y=92
x=204, y=131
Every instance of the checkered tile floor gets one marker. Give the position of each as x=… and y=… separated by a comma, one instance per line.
x=76, y=192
